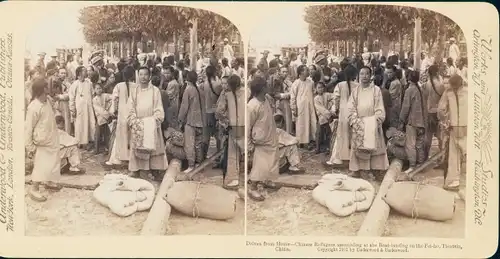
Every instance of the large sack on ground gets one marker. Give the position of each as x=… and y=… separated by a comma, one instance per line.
x=202, y=200
x=124, y=195
x=344, y=195
x=418, y=200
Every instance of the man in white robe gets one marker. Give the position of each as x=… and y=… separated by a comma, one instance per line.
x=82, y=111
x=302, y=105
x=228, y=52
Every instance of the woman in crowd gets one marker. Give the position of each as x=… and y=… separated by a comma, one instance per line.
x=147, y=150
x=341, y=146
x=366, y=114
x=121, y=93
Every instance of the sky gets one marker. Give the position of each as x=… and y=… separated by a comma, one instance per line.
x=65, y=31
x=280, y=29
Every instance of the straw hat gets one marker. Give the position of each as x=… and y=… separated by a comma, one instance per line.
x=265, y=52
x=226, y=40
x=42, y=54
x=452, y=39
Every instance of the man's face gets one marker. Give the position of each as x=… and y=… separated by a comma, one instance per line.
x=225, y=86
x=283, y=72
x=389, y=72
x=62, y=74
x=144, y=76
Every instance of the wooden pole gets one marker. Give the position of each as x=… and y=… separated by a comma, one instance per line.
x=417, y=48
x=157, y=221
x=193, y=43
x=374, y=222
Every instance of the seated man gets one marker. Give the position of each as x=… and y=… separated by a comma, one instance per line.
x=68, y=152
x=287, y=148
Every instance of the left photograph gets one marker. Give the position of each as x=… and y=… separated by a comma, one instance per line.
x=134, y=122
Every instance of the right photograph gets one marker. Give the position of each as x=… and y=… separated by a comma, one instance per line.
x=357, y=123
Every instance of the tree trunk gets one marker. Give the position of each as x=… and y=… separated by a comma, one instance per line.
x=176, y=46
x=441, y=39
x=417, y=42
x=385, y=46
x=401, y=49
x=193, y=48
x=362, y=37
x=337, y=48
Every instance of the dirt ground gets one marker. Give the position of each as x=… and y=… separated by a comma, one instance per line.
x=292, y=211
x=74, y=212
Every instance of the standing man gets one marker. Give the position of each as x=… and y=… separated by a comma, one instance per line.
x=414, y=116
x=452, y=112
x=230, y=113
x=302, y=105
x=228, y=52
x=40, y=64
x=53, y=63
x=454, y=51
x=262, y=141
x=263, y=65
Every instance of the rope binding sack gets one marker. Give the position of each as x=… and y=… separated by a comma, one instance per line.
x=202, y=200
x=420, y=200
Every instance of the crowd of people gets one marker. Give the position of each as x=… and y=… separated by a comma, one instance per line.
x=361, y=112
x=140, y=112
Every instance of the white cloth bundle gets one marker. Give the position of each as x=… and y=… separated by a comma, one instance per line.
x=344, y=195
x=370, y=136
x=124, y=195
x=148, y=142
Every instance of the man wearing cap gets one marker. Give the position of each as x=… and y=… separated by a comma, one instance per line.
x=53, y=64
x=454, y=51
x=263, y=65
x=276, y=62
x=227, y=51
x=40, y=64
x=97, y=63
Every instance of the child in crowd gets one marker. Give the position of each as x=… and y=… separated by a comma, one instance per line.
x=323, y=103
x=102, y=104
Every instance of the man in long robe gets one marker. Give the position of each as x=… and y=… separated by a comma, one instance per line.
x=395, y=89
x=80, y=106
x=263, y=65
x=452, y=112
x=62, y=99
x=283, y=97
x=414, y=117
x=262, y=141
x=230, y=113
x=42, y=141
x=454, y=51
x=302, y=105
x=228, y=51
x=192, y=119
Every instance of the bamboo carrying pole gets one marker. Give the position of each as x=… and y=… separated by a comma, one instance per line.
x=157, y=221
x=375, y=220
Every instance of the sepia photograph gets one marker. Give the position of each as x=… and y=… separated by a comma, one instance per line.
x=357, y=123
x=134, y=122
